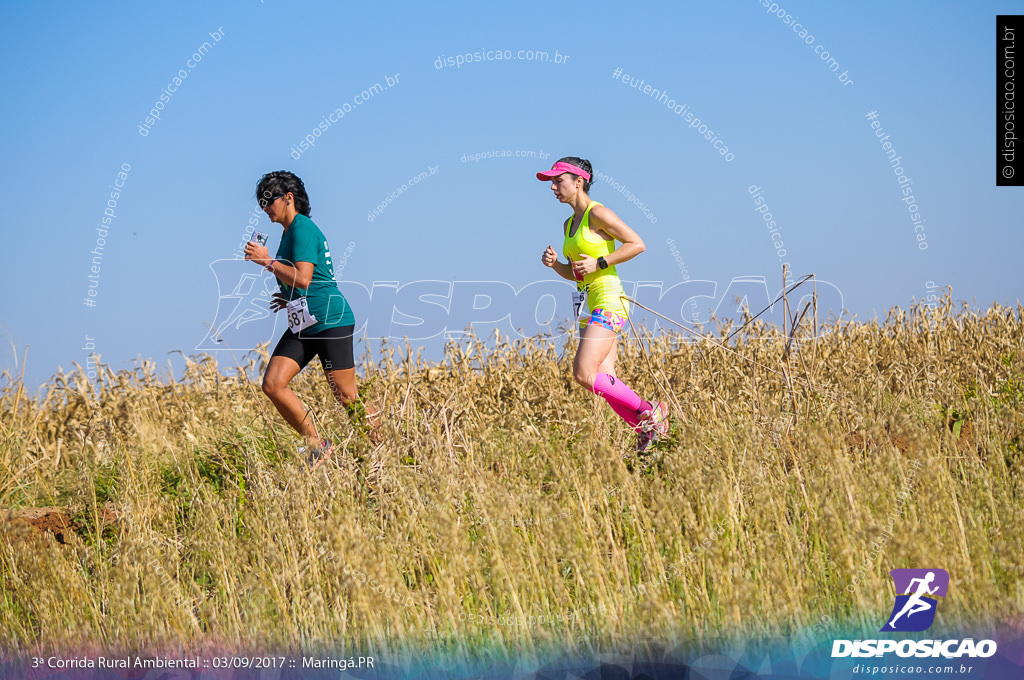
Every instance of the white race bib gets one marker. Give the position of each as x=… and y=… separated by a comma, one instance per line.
x=299, y=316
x=579, y=302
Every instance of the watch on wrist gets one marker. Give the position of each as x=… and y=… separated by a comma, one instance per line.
x=602, y=263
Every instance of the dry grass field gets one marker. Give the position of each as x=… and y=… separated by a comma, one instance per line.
x=504, y=512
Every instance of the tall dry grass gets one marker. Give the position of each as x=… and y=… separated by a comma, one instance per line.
x=501, y=494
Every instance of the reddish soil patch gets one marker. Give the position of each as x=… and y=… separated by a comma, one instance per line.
x=966, y=438
x=858, y=441
x=56, y=521
x=900, y=442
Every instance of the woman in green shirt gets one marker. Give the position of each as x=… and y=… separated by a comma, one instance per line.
x=320, y=321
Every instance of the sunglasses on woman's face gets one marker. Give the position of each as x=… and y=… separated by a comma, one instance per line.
x=270, y=200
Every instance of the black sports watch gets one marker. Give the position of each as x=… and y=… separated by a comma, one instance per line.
x=602, y=263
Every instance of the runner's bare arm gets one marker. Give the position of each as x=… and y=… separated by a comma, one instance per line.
x=604, y=219
x=298, y=276
x=550, y=259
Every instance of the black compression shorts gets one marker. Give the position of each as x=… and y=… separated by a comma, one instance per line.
x=333, y=346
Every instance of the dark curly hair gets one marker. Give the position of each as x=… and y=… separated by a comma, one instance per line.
x=582, y=164
x=279, y=183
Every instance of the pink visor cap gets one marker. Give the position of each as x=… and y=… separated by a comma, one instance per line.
x=559, y=168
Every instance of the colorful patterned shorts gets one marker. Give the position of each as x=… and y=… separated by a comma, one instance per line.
x=606, y=319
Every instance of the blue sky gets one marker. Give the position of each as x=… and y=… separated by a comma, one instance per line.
x=82, y=78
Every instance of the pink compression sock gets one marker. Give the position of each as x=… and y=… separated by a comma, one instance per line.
x=623, y=400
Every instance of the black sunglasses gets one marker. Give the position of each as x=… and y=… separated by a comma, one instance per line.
x=264, y=202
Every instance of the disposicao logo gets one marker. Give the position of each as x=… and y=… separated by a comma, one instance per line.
x=914, y=610
x=917, y=596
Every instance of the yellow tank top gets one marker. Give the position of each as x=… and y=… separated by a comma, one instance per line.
x=603, y=286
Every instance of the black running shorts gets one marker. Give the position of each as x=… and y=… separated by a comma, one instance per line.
x=333, y=346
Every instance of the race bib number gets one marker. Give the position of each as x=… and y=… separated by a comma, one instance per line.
x=579, y=302
x=299, y=316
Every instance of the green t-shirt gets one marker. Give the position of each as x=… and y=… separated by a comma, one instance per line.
x=304, y=242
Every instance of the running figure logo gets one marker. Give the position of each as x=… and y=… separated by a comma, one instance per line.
x=915, y=608
x=244, y=294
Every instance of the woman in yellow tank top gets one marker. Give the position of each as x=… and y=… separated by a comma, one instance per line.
x=589, y=246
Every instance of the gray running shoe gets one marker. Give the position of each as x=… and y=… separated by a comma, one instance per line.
x=318, y=455
x=645, y=439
